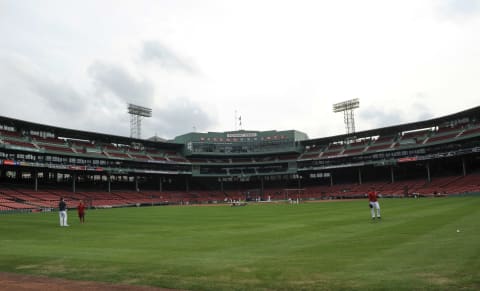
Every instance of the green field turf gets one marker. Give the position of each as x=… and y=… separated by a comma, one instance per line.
x=311, y=246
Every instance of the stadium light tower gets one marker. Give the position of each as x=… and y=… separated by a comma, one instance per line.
x=136, y=114
x=347, y=108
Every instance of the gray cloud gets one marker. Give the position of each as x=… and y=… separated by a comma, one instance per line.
x=459, y=9
x=118, y=81
x=423, y=112
x=24, y=81
x=31, y=94
x=166, y=58
x=179, y=116
x=60, y=96
x=42, y=99
x=380, y=117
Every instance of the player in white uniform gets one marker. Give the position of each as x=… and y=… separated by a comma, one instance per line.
x=62, y=212
x=373, y=203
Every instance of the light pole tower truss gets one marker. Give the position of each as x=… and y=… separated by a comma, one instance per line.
x=347, y=108
x=136, y=114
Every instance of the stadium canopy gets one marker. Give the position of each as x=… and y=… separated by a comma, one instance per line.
x=83, y=135
x=469, y=113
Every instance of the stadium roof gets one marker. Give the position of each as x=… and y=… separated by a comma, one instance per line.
x=84, y=135
x=472, y=112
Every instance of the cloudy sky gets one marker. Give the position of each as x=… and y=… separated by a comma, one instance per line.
x=279, y=64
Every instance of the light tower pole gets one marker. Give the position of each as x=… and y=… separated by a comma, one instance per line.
x=347, y=108
x=136, y=114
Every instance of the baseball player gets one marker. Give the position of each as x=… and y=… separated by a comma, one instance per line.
x=373, y=203
x=62, y=212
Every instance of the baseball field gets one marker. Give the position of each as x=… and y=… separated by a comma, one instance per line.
x=427, y=244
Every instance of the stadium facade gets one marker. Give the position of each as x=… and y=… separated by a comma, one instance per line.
x=39, y=156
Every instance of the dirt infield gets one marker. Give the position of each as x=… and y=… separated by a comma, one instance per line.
x=15, y=282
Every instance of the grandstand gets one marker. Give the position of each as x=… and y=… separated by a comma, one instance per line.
x=41, y=163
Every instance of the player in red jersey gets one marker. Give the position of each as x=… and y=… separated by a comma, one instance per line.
x=81, y=211
x=373, y=203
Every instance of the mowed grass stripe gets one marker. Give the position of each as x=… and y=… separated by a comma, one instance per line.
x=310, y=246
x=427, y=248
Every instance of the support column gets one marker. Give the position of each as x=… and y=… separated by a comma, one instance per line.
x=262, y=186
x=160, y=184
x=74, y=182
x=187, y=185
x=109, y=183
x=464, y=167
x=392, y=175
x=331, y=179
x=429, y=179
x=359, y=176
x=35, y=177
x=136, y=184
x=221, y=185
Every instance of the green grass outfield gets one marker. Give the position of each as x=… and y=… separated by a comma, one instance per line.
x=311, y=246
